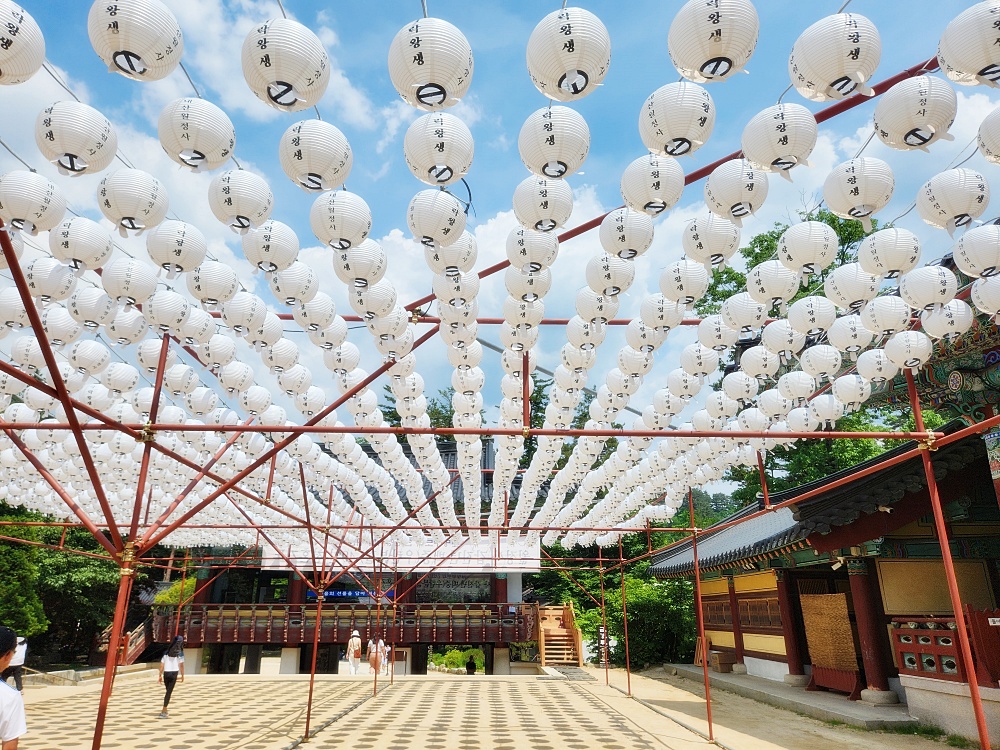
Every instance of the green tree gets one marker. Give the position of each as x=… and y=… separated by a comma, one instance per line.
x=439, y=410
x=20, y=606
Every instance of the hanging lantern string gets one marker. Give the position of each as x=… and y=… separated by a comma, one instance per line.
x=281, y=7
x=423, y=4
x=11, y=152
x=783, y=93
x=318, y=115
x=844, y=6
x=191, y=81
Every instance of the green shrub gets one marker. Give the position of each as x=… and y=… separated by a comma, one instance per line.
x=172, y=595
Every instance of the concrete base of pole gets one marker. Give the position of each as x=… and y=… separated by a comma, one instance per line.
x=797, y=680
x=739, y=668
x=879, y=697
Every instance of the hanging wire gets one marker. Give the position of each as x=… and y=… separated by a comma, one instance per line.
x=318, y=115
x=865, y=144
x=11, y=152
x=281, y=7
x=191, y=81
x=784, y=92
x=423, y=4
x=844, y=6
x=58, y=79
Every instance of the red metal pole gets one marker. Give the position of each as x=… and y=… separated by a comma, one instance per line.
x=604, y=622
x=763, y=484
x=628, y=659
x=312, y=668
x=941, y=529
x=700, y=620
x=148, y=447
x=117, y=627
x=180, y=598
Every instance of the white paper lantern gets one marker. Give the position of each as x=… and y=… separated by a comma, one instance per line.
x=458, y=257
x=989, y=137
x=29, y=202
x=12, y=312
x=759, y=363
x=315, y=155
x=133, y=200
x=953, y=198
x=684, y=281
x=569, y=52
x=529, y=250
x=49, y=280
x=524, y=285
x=237, y=377
x=333, y=335
x=949, y=321
x=119, y=377
x=928, y=288
x=986, y=296
x=554, y=142
x=239, y=199
x=652, y=184
x=780, y=337
x=166, y=310
x=849, y=287
x=848, y=335
x=626, y=233
x=24, y=52
x=661, y=314
x=966, y=51
x=285, y=65
x=213, y=283
x=128, y=281
x=176, y=246
x=59, y=326
x=771, y=284
x=811, y=316
x=296, y=284
x=888, y=253
x=91, y=307
x=642, y=337
x=219, y=351
x=739, y=386
x=543, y=204
x=583, y=334
x=909, y=349
x=977, y=252
x=374, y=300
x=594, y=306
x=808, y=247
x=196, y=134
x=835, y=57
x=875, y=367
x=140, y=39
x=852, y=391
x=735, y=190
x=710, y=240
x=281, y=355
x=797, y=386
x=245, y=312
x=821, y=361
x=677, y=119
x=255, y=399
x=362, y=264
x=436, y=217
x=90, y=357
x=885, y=315
x=859, y=188
x=915, y=113
x=430, y=64
x=80, y=243
x=128, y=326
x=438, y=148
x=780, y=138
x=708, y=42
x=272, y=246
x=76, y=138
x=742, y=313
x=826, y=409
x=198, y=328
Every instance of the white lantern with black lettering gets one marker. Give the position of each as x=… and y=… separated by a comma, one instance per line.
x=285, y=65
x=677, y=119
x=530, y=250
x=436, y=217
x=430, y=64
x=808, y=247
x=527, y=286
x=213, y=283
x=554, y=142
x=953, y=198
x=133, y=200
x=875, y=367
x=915, y=113
x=852, y=391
x=771, y=284
x=909, y=349
x=243, y=313
x=438, y=148
x=374, y=300
x=569, y=52
x=315, y=155
x=708, y=42
x=812, y=315
x=239, y=199
x=949, y=321
x=848, y=335
x=362, y=264
x=81, y=244
x=652, y=184
x=888, y=253
x=76, y=138
x=128, y=327
x=611, y=275
x=928, y=288
x=885, y=315
x=140, y=39
x=780, y=138
x=967, y=51
x=660, y=314
x=17, y=243
x=24, y=52
x=835, y=57
x=780, y=337
x=626, y=233
x=684, y=282
x=271, y=247
x=710, y=240
x=759, y=362
x=91, y=307
x=977, y=252
x=742, y=313
x=821, y=361
x=858, y=188
x=986, y=296
x=458, y=257
x=989, y=137
x=29, y=202
x=176, y=246
x=340, y=219
x=850, y=287
x=167, y=310
x=49, y=280
x=296, y=284
x=196, y=134
x=543, y=204
x=735, y=189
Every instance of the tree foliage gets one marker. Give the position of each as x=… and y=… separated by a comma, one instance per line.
x=20, y=606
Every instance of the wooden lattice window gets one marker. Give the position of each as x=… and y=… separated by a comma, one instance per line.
x=717, y=613
x=760, y=613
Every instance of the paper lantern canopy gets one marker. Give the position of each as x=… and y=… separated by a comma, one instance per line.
x=240, y=199
x=652, y=184
x=888, y=253
x=141, y=39
x=340, y=219
x=430, y=64
x=29, y=202
x=735, y=190
x=196, y=134
x=708, y=42
x=835, y=57
x=967, y=51
x=133, y=200
x=176, y=247
x=808, y=247
x=568, y=55
x=24, y=52
x=677, y=119
x=438, y=148
x=285, y=65
x=710, y=240
x=858, y=188
x=543, y=204
x=80, y=243
x=76, y=138
x=626, y=233
x=953, y=198
x=780, y=138
x=977, y=252
x=915, y=113
x=554, y=142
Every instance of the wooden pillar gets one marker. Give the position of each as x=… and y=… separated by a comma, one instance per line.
x=869, y=626
x=296, y=590
x=499, y=588
x=793, y=649
x=734, y=612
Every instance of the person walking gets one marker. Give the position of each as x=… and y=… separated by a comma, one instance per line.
x=171, y=669
x=354, y=651
x=12, y=722
x=373, y=664
x=16, y=668
x=383, y=660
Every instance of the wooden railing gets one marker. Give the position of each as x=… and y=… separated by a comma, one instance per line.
x=569, y=619
x=131, y=647
x=296, y=623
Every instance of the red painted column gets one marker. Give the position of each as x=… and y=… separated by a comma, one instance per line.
x=867, y=619
x=500, y=588
x=734, y=611
x=793, y=649
x=296, y=590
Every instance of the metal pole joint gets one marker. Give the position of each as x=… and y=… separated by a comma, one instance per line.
x=928, y=443
x=148, y=434
x=128, y=560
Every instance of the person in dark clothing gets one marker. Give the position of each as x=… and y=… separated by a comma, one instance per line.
x=470, y=665
x=171, y=667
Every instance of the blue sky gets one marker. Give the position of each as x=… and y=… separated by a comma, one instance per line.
x=362, y=103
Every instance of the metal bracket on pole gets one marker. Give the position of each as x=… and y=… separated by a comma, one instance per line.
x=148, y=434
x=128, y=560
x=928, y=443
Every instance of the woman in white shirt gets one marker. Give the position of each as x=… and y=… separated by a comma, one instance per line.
x=171, y=665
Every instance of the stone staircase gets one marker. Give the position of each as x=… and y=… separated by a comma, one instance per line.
x=559, y=639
